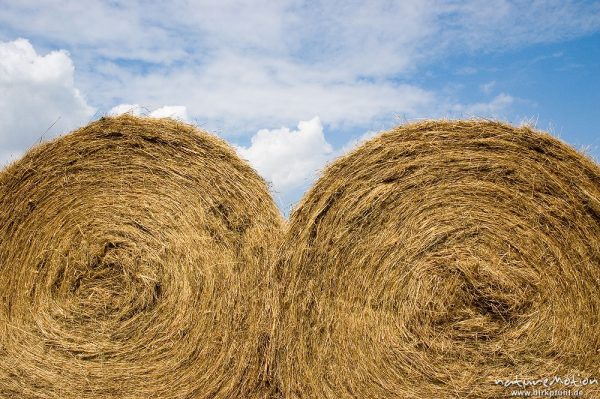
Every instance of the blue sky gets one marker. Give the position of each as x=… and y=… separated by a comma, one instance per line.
x=294, y=84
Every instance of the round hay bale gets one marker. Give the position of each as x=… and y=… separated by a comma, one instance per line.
x=133, y=259
x=439, y=258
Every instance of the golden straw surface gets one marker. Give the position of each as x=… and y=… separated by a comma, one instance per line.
x=437, y=258
x=134, y=257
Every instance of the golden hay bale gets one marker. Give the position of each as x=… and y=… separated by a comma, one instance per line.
x=133, y=255
x=437, y=258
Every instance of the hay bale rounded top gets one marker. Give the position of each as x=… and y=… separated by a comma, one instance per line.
x=132, y=261
x=437, y=258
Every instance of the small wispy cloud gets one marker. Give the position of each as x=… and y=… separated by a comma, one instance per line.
x=496, y=108
x=487, y=88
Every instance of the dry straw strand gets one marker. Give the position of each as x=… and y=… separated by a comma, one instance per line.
x=437, y=258
x=133, y=259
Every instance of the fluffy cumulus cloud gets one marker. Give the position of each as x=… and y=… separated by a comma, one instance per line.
x=171, y=111
x=289, y=159
x=39, y=98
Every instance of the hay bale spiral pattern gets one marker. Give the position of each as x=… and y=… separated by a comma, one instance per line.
x=133, y=256
x=437, y=258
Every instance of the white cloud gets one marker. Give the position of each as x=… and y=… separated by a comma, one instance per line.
x=491, y=109
x=168, y=111
x=289, y=159
x=116, y=30
x=39, y=98
x=133, y=109
x=171, y=111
